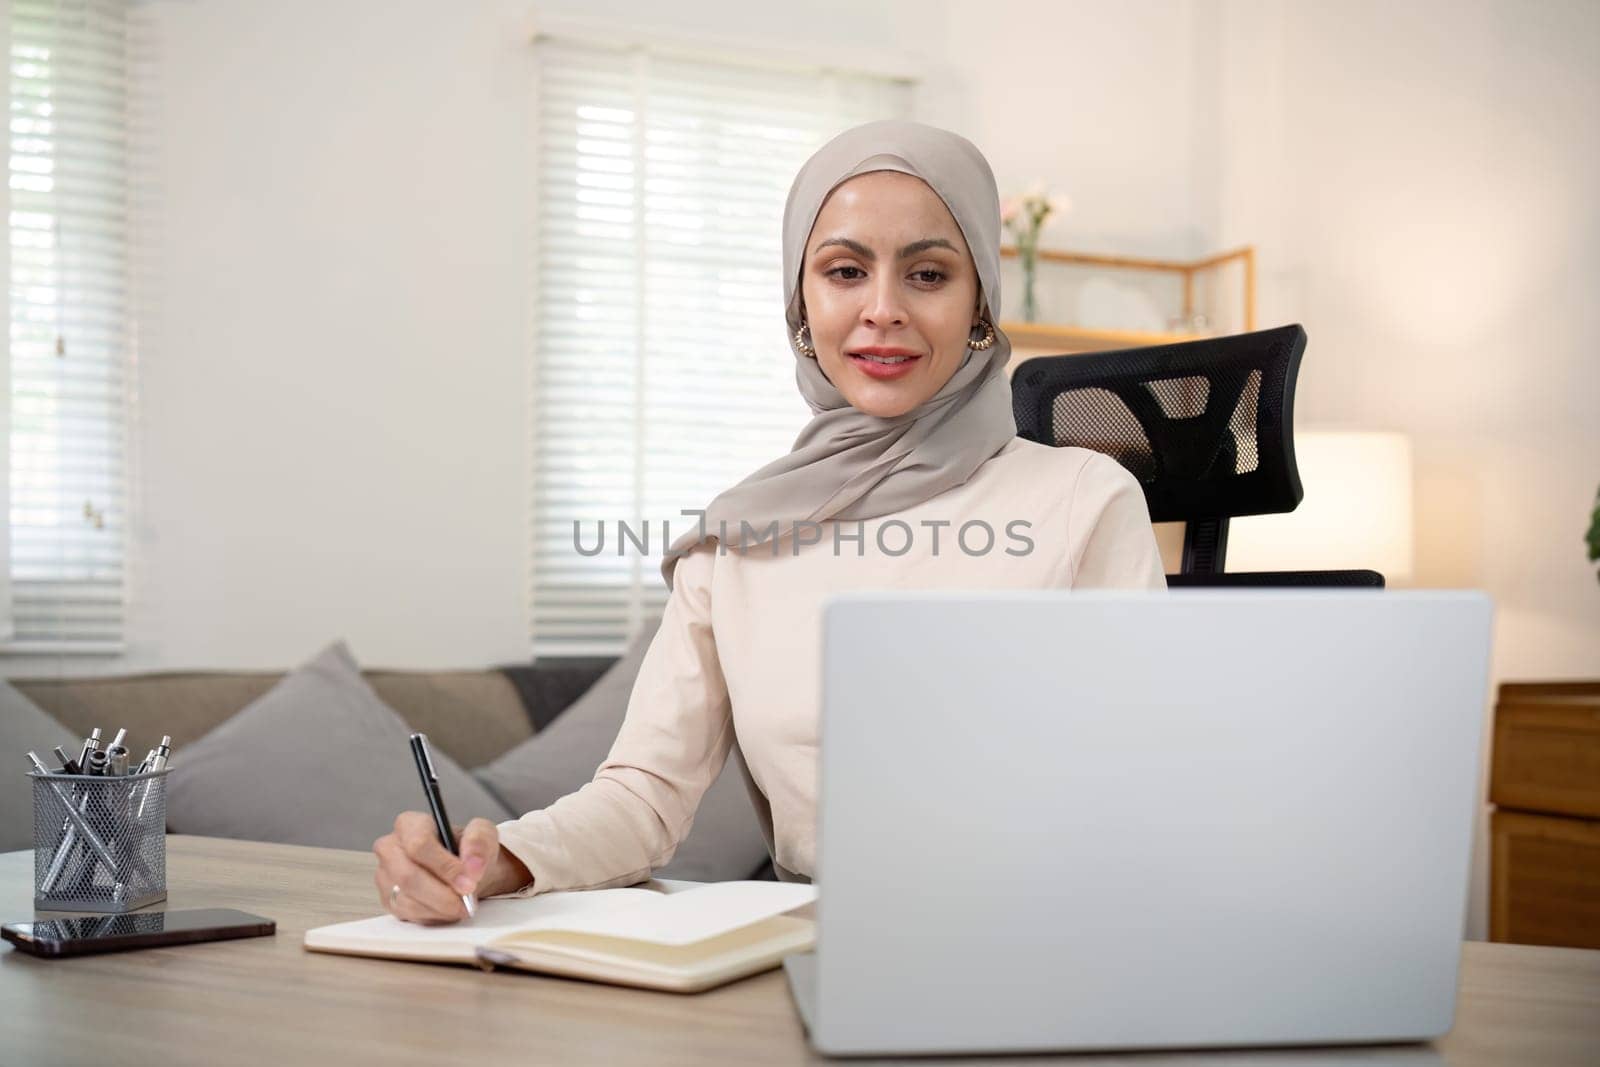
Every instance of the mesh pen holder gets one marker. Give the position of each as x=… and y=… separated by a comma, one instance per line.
x=99, y=841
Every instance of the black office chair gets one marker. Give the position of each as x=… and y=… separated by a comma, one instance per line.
x=1206, y=426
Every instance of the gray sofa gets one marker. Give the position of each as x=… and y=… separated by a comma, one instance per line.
x=516, y=738
x=473, y=716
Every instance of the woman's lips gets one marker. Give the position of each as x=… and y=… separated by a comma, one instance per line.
x=900, y=362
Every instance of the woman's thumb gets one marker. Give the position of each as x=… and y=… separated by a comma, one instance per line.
x=479, y=843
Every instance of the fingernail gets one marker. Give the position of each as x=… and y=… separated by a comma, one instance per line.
x=474, y=865
x=464, y=884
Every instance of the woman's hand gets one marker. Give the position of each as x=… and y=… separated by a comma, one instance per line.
x=431, y=881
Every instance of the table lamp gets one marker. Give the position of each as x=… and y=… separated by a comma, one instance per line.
x=1356, y=513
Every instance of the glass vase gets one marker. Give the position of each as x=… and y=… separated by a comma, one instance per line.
x=1030, y=307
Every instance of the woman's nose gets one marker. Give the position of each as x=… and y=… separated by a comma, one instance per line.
x=884, y=308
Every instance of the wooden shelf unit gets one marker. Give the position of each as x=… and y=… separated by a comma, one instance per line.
x=1029, y=339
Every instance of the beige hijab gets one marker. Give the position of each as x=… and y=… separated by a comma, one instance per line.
x=847, y=464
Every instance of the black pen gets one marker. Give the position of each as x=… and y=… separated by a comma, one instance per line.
x=441, y=821
x=68, y=764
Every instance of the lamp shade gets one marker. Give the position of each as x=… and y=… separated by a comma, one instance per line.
x=1356, y=514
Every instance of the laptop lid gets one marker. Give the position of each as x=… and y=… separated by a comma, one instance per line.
x=1101, y=820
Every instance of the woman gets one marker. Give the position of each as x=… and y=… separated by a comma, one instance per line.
x=909, y=475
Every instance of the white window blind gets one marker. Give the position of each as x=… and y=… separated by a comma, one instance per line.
x=662, y=370
x=69, y=347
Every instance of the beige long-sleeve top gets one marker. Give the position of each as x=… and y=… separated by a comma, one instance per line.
x=737, y=658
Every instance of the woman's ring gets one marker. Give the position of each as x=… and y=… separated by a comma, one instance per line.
x=394, y=894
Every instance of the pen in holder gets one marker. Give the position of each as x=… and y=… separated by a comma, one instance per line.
x=99, y=841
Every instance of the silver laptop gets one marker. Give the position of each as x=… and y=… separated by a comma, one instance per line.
x=1122, y=820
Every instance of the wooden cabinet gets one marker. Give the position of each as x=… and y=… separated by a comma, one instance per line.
x=1544, y=867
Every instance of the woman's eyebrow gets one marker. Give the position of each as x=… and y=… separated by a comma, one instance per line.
x=866, y=253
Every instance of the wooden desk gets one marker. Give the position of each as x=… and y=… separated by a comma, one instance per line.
x=267, y=1000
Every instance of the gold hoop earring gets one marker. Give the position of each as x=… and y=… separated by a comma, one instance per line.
x=988, y=339
x=802, y=344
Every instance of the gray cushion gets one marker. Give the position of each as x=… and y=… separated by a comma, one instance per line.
x=23, y=729
x=317, y=760
x=725, y=841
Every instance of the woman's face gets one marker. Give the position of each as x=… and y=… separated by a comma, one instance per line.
x=887, y=273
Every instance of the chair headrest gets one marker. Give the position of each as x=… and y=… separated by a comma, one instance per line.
x=1206, y=426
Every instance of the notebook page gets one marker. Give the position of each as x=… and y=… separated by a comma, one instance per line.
x=496, y=918
x=689, y=915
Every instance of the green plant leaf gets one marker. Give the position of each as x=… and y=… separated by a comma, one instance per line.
x=1593, y=536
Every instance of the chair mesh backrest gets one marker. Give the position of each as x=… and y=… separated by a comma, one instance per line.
x=1204, y=425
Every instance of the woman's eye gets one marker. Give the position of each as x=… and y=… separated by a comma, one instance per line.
x=930, y=276
x=838, y=271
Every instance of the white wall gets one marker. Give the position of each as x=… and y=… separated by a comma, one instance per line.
x=335, y=226
x=1421, y=180
x=332, y=417
x=1096, y=99
x=1419, y=184
x=336, y=230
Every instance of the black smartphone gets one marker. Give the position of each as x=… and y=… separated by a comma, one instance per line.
x=83, y=934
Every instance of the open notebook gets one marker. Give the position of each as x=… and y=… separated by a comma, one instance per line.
x=682, y=937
